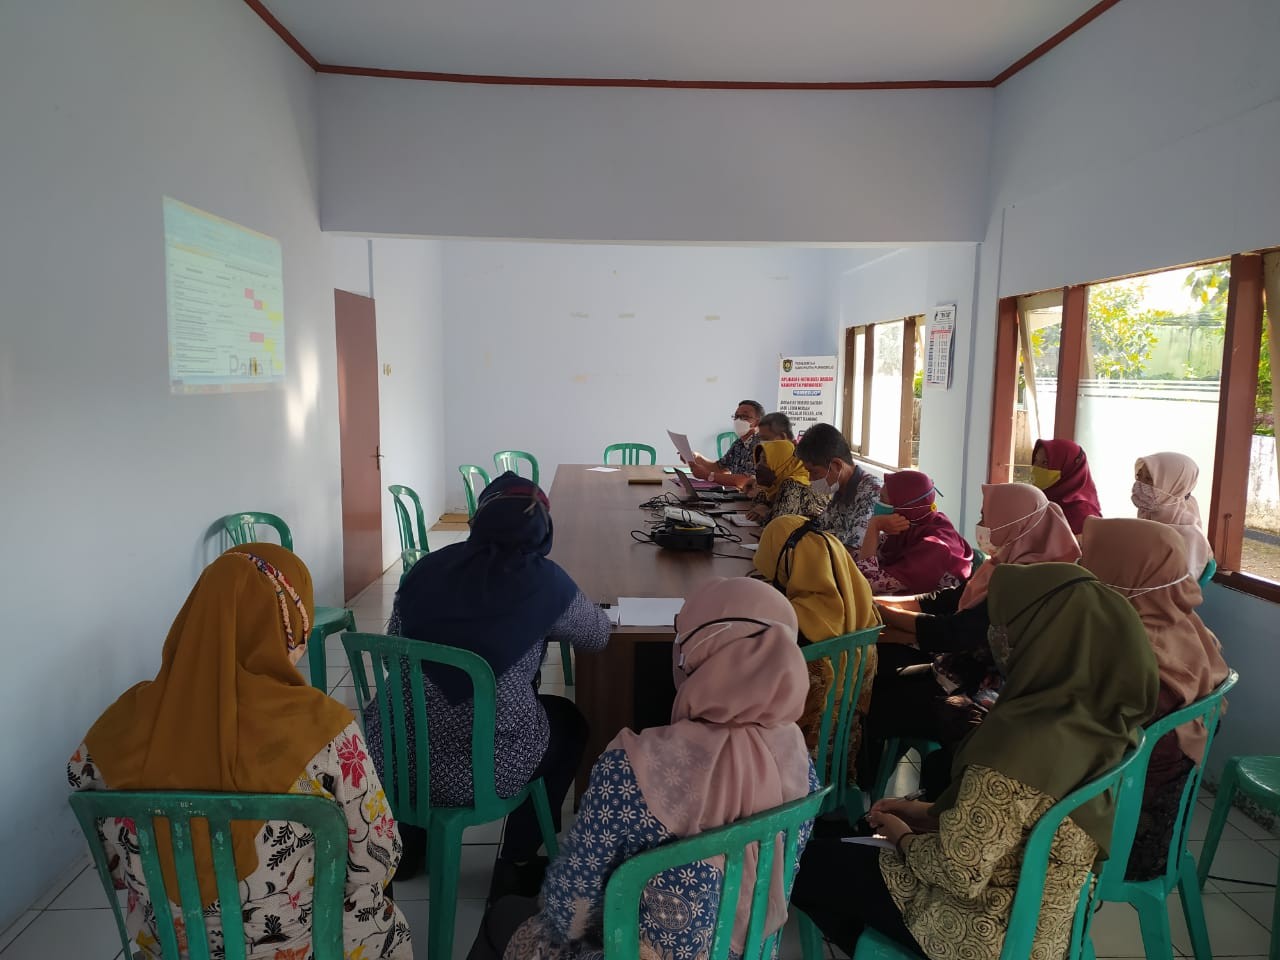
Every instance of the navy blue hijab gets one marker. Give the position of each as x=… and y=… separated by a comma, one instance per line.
x=497, y=594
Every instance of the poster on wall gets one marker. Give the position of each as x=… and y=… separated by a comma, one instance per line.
x=939, y=346
x=807, y=391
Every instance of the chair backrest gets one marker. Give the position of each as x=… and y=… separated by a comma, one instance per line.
x=840, y=707
x=723, y=442
x=626, y=886
x=408, y=539
x=242, y=528
x=391, y=659
x=175, y=812
x=505, y=460
x=630, y=453
x=470, y=473
x=1029, y=897
x=1209, y=709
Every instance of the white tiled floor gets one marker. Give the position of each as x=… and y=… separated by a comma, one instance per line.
x=73, y=919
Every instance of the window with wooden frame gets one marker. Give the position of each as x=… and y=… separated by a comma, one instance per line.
x=1176, y=360
x=883, y=373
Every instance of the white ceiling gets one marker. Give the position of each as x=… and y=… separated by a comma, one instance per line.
x=744, y=40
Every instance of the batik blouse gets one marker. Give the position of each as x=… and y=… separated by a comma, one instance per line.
x=277, y=897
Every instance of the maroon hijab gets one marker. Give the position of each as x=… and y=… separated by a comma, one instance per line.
x=930, y=548
x=1074, y=492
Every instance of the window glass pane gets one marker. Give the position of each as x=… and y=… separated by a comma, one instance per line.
x=1039, y=330
x=886, y=392
x=1152, y=366
x=1261, y=549
x=917, y=392
x=856, y=364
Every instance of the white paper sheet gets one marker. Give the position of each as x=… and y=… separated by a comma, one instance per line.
x=648, y=611
x=682, y=445
x=602, y=469
x=876, y=841
x=750, y=546
x=742, y=520
x=612, y=614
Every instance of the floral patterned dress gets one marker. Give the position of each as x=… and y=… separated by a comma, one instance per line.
x=276, y=897
x=678, y=908
x=850, y=510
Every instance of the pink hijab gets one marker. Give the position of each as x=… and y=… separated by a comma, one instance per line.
x=1174, y=476
x=733, y=748
x=1146, y=563
x=1025, y=528
x=931, y=547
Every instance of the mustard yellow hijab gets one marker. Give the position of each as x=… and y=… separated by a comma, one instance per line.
x=227, y=711
x=780, y=457
x=830, y=595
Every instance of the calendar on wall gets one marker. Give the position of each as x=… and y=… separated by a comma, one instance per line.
x=939, y=346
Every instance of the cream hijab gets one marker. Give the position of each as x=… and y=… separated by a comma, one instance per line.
x=1146, y=563
x=733, y=748
x=1174, y=476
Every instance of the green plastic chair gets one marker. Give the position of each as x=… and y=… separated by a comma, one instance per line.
x=242, y=528
x=1258, y=778
x=836, y=730
x=1028, y=897
x=505, y=460
x=411, y=799
x=412, y=548
x=627, y=885
x=723, y=442
x=1206, y=575
x=630, y=453
x=469, y=473
x=895, y=748
x=1149, y=897
x=320, y=815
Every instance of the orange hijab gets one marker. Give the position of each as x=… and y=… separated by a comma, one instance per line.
x=227, y=711
x=1146, y=563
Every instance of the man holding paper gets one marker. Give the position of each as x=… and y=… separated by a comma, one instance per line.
x=738, y=466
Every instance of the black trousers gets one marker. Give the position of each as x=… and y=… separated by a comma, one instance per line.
x=840, y=888
x=559, y=766
x=906, y=707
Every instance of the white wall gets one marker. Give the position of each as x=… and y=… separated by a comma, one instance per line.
x=562, y=349
x=911, y=281
x=110, y=484
x=653, y=165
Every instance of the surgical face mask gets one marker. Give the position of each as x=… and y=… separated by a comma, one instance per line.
x=824, y=486
x=1044, y=478
x=741, y=427
x=983, y=536
x=882, y=509
x=1147, y=497
x=1130, y=593
x=989, y=548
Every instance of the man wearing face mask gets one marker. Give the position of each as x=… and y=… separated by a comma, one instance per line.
x=854, y=491
x=738, y=466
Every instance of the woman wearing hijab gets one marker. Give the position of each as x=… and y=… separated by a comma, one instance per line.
x=782, y=484
x=497, y=595
x=910, y=546
x=831, y=598
x=1018, y=525
x=732, y=749
x=1162, y=487
x=1145, y=562
x=1080, y=682
x=229, y=712
x=1061, y=470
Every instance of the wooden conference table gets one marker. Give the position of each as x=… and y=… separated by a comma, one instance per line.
x=594, y=514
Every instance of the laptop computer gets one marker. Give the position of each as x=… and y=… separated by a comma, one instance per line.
x=693, y=495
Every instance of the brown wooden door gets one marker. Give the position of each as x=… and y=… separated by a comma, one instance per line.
x=358, y=426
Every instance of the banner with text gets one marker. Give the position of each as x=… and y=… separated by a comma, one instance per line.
x=807, y=391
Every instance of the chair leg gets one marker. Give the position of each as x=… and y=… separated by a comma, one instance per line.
x=444, y=857
x=1221, y=807
x=888, y=761
x=1193, y=908
x=566, y=661
x=317, y=661
x=1153, y=919
x=811, y=943
x=542, y=807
